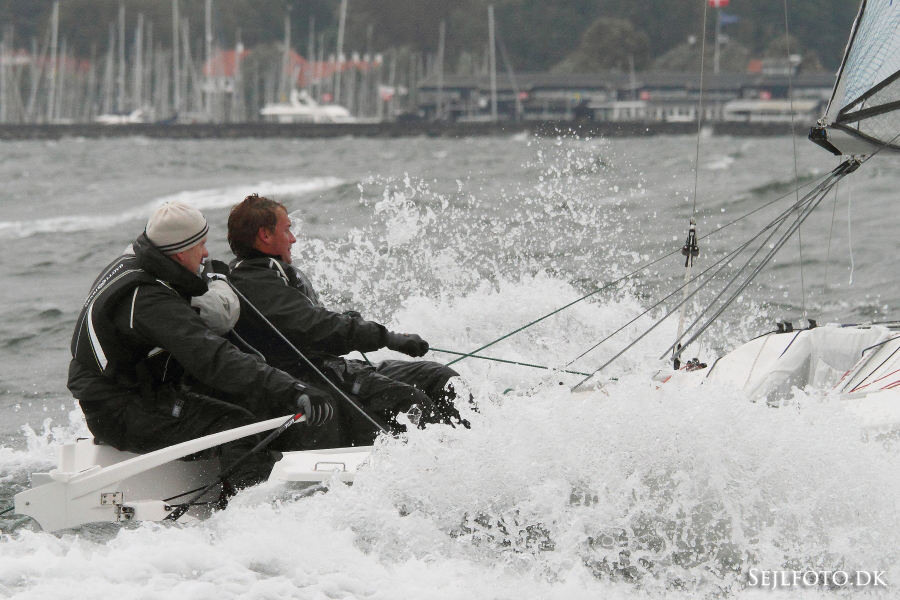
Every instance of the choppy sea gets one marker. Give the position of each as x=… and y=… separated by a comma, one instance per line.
x=626, y=490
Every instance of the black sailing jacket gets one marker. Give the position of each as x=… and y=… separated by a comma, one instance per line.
x=137, y=330
x=287, y=299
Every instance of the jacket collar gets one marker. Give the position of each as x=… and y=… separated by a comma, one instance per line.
x=255, y=259
x=253, y=253
x=167, y=270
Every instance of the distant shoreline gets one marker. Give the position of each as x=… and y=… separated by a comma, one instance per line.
x=203, y=131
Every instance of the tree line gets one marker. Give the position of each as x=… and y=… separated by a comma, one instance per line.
x=536, y=35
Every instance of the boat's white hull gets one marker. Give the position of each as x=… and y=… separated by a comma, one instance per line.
x=859, y=362
x=94, y=483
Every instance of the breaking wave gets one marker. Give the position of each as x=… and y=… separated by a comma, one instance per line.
x=201, y=199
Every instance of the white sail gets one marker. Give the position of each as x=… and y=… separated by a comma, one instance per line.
x=863, y=115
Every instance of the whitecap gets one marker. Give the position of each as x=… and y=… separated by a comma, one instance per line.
x=208, y=199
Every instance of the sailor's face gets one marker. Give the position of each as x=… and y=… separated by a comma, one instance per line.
x=282, y=239
x=192, y=258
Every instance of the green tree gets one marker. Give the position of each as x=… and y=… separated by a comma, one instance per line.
x=608, y=44
x=668, y=23
x=733, y=58
x=398, y=23
x=540, y=33
x=537, y=34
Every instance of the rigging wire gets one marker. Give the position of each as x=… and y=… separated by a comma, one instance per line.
x=510, y=362
x=822, y=188
x=633, y=273
x=691, y=250
x=831, y=180
x=850, y=231
x=779, y=220
x=804, y=204
x=685, y=285
x=830, y=238
x=787, y=39
x=700, y=106
x=807, y=210
x=562, y=308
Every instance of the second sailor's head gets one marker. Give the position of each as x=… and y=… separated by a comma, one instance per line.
x=262, y=225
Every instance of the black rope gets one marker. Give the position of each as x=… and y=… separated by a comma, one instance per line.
x=185, y=493
x=300, y=355
x=183, y=508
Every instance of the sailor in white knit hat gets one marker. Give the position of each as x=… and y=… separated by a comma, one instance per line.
x=147, y=370
x=179, y=231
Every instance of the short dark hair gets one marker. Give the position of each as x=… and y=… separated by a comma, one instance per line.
x=247, y=218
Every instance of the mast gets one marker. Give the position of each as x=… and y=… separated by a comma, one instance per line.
x=392, y=83
x=120, y=98
x=492, y=52
x=718, y=38
x=58, y=110
x=237, y=102
x=320, y=67
x=284, y=86
x=147, y=86
x=208, y=38
x=137, y=91
x=3, y=65
x=311, y=54
x=109, y=72
x=368, y=74
x=439, y=109
x=89, y=102
x=340, y=52
x=54, y=38
x=176, y=59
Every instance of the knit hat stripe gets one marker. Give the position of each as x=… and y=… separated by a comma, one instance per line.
x=185, y=244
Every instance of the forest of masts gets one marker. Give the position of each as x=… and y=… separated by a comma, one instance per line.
x=186, y=82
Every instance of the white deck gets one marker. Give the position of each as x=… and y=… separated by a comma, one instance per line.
x=98, y=483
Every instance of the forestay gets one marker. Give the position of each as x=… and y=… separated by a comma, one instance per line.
x=862, y=116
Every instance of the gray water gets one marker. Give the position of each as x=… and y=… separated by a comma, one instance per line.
x=462, y=241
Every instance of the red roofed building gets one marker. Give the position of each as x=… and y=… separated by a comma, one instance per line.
x=222, y=68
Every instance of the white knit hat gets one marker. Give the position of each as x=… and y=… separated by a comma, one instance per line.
x=176, y=226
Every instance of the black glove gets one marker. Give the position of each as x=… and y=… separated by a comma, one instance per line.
x=408, y=343
x=353, y=314
x=314, y=404
x=215, y=269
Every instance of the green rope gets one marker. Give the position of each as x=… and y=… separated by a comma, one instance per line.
x=10, y=509
x=511, y=362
